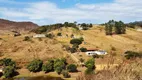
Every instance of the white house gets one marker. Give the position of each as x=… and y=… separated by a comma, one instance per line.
x=39, y=36
x=99, y=52
x=1, y=70
x=139, y=29
x=80, y=28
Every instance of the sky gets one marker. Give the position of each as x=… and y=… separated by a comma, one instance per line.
x=45, y=12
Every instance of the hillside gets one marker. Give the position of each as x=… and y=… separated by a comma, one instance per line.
x=44, y=48
x=12, y=25
x=25, y=51
x=96, y=38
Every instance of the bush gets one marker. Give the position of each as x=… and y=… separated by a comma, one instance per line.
x=35, y=65
x=8, y=62
x=65, y=74
x=76, y=41
x=81, y=38
x=81, y=60
x=83, y=49
x=27, y=38
x=96, y=56
x=73, y=50
x=49, y=35
x=40, y=30
x=75, y=46
x=113, y=48
x=132, y=54
x=48, y=67
x=8, y=71
x=58, y=70
x=64, y=60
x=59, y=34
x=90, y=64
x=59, y=65
x=89, y=71
x=66, y=47
x=72, y=68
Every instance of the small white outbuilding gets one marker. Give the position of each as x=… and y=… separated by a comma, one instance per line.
x=99, y=52
x=39, y=36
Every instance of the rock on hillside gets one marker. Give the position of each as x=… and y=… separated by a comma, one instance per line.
x=11, y=25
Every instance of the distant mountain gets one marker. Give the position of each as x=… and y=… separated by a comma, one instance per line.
x=12, y=25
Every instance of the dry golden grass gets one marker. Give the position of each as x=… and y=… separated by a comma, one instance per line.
x=19, y=50
x=96, y=38
x=124, y=71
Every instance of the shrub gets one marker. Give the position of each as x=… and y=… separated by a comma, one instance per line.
x=26, y=38
x=35, y=65
x=76, y=41
x=96, y=56
x=75, y=46
x=58, y=70
x=81, y=60
x=66, y=47
x=1, y=39
x=64, y=60
x=83, y=49
x=49, y=35
x=59, y=65
x=40, y=30
x=48, y=67
x=73, y=50
x=89, y=71
x=8, y=71
x=72, y=68
x=8, y=62
x=113, y=48
x=39, y=39
x=81, y=38
x=59, y=34
x=132, y=54
x=90, y=64
x=65, y=74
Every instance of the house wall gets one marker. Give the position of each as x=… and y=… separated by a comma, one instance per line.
x=39, y=36
x=90, y=53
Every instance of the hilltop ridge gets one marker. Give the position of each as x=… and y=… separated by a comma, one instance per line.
x=12, y=25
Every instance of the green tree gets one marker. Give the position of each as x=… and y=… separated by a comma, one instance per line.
x=26, y=38
x=8, y=62
x=89, y=71
x=47, y=67
x=115, y=26
x=72, y=68
x=8, y=71
x=59, y=34
x=49, y=35
x=65, y=74
x=90, y=64
x=73, y=50
x=58, y=69
x=83, y=49
x=59, y=65
x=66, y=24
x=132, y=54
x=35, y=65
x=76, y=41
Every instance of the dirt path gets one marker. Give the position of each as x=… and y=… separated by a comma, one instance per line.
x=74, y=58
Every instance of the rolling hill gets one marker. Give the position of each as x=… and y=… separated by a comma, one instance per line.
x=12, y=25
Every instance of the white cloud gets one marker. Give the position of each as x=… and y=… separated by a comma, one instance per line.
x=47, y=12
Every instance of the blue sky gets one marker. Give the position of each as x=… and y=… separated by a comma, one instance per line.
x=58, y=11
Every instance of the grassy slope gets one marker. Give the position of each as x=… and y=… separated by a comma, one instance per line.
x=19, y=50
x=96, y=37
